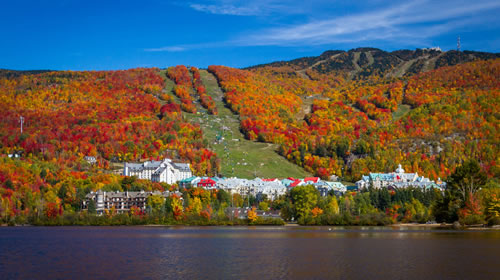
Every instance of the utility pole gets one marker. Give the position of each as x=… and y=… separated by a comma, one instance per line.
x=21, y=120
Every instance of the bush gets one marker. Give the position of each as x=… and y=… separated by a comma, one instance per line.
x=374, y=219
x=20, y=220
x=494, y=221
x=333, y=220
x=472, y=220
x=268, y=222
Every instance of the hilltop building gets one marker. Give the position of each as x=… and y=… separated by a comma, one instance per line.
x=437, y=49
x=164, y=171
x=90, y=159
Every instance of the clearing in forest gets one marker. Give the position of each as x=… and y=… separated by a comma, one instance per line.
x=239, y=157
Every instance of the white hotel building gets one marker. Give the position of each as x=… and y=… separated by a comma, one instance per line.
x=164, y=171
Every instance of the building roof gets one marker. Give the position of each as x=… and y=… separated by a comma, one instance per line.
x=153, y=164
x=206, y=181
x=89, y=158
x=188, y=180
x=295, y=183
x=184, y=167
x=269, y=180
x=286, y=182
x=352, y=188
x=127, y=194
x=311, y=179
x=159, y=170
x=135, y=167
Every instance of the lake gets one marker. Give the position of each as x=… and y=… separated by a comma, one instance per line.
x=247, y=253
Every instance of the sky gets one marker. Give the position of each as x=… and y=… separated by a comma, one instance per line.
x=109, y=35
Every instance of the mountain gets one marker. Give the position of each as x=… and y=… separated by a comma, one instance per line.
x=363, y=62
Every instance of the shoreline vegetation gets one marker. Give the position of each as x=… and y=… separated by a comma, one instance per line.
x=304, y=205
x=84, y=219
x=124, y=219
x=266, y=222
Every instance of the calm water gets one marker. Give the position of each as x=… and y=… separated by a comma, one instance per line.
x=246, y=253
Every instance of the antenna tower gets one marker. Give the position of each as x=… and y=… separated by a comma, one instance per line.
x=458, y=43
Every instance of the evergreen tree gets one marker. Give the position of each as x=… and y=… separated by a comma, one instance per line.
x=467, y=179
x=92, y=207
x=384, y=199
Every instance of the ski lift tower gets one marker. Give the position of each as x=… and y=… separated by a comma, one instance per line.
x=21, y=121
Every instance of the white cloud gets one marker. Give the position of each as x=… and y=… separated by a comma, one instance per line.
x=417, y=18
x=167, y=49
x=226, y=10
x=187, y=47
x=252, y=7
x=413, y=22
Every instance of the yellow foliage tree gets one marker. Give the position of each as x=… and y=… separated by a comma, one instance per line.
x=196, y=206
x=252, y=215
x=333, y=206
x=155, y=202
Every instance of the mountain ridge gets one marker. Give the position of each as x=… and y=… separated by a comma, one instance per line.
x=366, y=61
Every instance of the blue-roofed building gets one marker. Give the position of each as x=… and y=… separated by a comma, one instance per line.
x=352, y=188
x=337, y=187
x=184, y=183
x=324, y=187
x=395, y=180
x=286, y=182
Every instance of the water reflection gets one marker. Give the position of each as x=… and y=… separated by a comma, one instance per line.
x=247, y=253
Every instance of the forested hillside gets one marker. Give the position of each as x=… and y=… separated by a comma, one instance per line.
x=114, y=116
x=342, y=113
x=429, y=122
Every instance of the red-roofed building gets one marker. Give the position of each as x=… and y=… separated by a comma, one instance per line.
x=295, y=183
x=269, y=180
x=206, y=183
x=311, y=179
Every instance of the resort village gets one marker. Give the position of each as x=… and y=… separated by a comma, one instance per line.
x=167, y=171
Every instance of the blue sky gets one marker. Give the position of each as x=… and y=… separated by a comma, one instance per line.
x=106, y=35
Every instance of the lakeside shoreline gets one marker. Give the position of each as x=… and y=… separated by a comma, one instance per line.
x=399, y=226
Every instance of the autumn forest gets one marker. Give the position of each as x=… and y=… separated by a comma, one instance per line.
x=328, y=121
